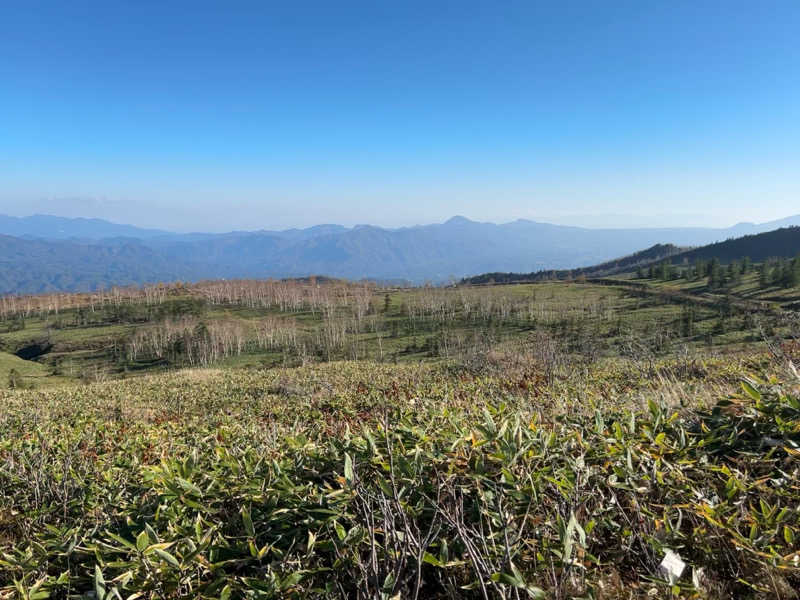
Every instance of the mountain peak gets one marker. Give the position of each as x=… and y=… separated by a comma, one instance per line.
x=457, y=220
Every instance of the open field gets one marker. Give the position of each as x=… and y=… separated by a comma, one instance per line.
x=261, y=324
x=290, y=439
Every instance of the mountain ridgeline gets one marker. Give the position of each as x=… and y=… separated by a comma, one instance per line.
x=44, y=253
x=654, y=254
x=781, y=243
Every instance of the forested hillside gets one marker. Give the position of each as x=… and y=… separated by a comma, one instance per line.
x=781, y=243
x=769, y=247
x=633, y=261
x=35, y=266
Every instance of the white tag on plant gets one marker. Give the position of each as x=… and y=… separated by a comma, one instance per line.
x=672, y=566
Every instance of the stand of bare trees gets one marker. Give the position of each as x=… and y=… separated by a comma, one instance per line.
x=45, y=305
x=198, y=343
x=288, y=295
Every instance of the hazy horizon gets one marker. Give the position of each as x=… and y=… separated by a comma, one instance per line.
x=214, y=118
x=587, y=221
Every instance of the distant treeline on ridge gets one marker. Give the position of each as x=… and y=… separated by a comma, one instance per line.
x=781, y=243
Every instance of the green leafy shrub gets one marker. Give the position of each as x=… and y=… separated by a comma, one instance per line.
x=391, y=482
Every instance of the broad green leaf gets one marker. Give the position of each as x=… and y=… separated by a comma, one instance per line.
x=247, y=521
x=99, y=583
x=349, y=475
x=142, y=541
x=169, y=558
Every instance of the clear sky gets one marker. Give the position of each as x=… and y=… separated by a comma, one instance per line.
x=235, y=115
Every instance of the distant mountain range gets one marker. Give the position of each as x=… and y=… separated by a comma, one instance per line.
x=46, y=253
x=49, y=227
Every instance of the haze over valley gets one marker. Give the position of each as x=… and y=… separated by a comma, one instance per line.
x=45, y=253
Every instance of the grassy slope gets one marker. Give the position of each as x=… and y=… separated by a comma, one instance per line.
x=747, y=289
x=279, y=483
x=606, y=313
x=614, y=442
x=33, y=373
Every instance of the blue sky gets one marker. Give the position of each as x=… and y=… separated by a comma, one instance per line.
x=235, y=115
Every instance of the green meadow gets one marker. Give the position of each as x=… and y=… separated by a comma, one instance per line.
x=333, y=440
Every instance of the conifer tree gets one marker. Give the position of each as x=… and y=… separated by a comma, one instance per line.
x=715, y=277
x=791, y=273
x=763, y=276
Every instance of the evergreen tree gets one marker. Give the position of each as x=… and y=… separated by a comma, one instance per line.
x=794, y=278
x=763, y=276
x=715, y=277
x=687, y=321
x=663, y=271
x=699, y=270
x=776, y=277
x=734, y=272
x=791, y=273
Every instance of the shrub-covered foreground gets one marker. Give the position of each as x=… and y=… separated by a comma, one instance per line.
x=356, y=480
